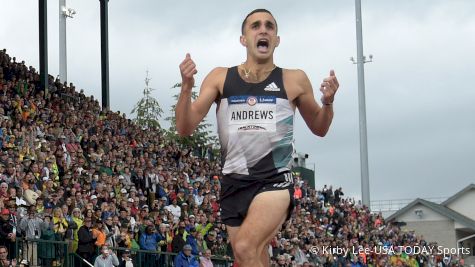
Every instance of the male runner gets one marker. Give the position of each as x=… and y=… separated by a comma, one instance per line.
x=256, y=103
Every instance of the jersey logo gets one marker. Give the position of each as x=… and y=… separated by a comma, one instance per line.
x=251, y=101
x=272, y=87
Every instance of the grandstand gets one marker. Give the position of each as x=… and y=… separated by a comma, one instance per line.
x=67, y=167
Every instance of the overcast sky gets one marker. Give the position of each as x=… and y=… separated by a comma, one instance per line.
x=419, y=90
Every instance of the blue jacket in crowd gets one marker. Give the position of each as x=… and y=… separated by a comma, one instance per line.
x=183, y=261
x=357, y=264
x=149, y=242
x=161, y=192
x=191, y=240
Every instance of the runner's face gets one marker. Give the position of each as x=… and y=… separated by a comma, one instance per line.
x=260, y=35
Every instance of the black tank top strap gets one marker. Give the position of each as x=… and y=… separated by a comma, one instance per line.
x=277, y=77
x=232, y=83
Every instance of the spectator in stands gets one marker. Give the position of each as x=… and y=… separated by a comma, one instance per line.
x=78, y=220
x=338, y=193
x=205, y=260
x=47, y=251
x=112, y=231
x=4, y=187
x=191, y=240
x=5, y=261
x=179, y=240
x=204, y=226
x=281, y=260
x=222, y=248
x=214, y=206
x=297, y=192
x=185, y=258
x=357, y=261
x=198, y=197
x=86, y=240
x=107, y=258
x=99, y=234
x=202, y=246
x=30, y=227
x=174, y=209
x=125, y=240
x=126, y=260
x=7, y=236
x=149, y=241
x=211, y=242
x=60, y=223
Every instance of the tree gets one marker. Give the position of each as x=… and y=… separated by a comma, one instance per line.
x=148, y=109
x=201, y=137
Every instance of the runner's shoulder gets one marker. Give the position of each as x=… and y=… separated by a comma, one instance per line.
x=218, y=71
x=297, y=74
x=295, y=79
x=215, y=79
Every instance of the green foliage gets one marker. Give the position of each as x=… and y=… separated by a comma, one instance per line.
x=148, y=111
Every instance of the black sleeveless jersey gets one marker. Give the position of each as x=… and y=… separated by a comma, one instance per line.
x=255, y=126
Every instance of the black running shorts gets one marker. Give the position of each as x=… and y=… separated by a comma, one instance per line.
x=237, y=194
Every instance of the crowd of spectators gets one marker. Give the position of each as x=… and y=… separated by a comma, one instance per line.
x=71, y=171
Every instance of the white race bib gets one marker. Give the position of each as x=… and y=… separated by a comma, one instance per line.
x=252, y=113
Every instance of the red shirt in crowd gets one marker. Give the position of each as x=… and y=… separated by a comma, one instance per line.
x=298, y=193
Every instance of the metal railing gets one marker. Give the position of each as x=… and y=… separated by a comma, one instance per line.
x=78, y=261
x=397, y=204
x=37, y=252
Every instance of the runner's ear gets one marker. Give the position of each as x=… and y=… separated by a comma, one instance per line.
x=242, y=40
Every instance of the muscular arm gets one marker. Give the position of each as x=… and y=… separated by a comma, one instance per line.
x=318, y=119
x=189, y=114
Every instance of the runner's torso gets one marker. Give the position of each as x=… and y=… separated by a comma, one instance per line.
x=255, y=127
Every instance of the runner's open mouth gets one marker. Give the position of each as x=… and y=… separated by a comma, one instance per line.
x=262, y=45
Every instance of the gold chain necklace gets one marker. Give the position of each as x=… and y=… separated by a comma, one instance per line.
x=247, y=72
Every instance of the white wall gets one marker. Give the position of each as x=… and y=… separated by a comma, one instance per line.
x=441, y=232
x=427, y=215
x=465, y=204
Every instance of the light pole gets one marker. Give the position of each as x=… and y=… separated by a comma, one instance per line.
x=64, y=13
x=43, y=44
x=104, y=10
x=360, y=61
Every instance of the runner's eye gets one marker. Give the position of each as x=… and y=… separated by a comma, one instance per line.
x=255, y=25
x=270, y=26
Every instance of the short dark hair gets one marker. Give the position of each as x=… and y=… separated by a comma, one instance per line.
x=259, y=10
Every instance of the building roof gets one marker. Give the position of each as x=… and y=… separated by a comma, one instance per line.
x=458, y=194
x=439, y=208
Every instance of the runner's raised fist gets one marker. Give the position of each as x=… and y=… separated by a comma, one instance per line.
x=328, y=88
x=187, y=70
